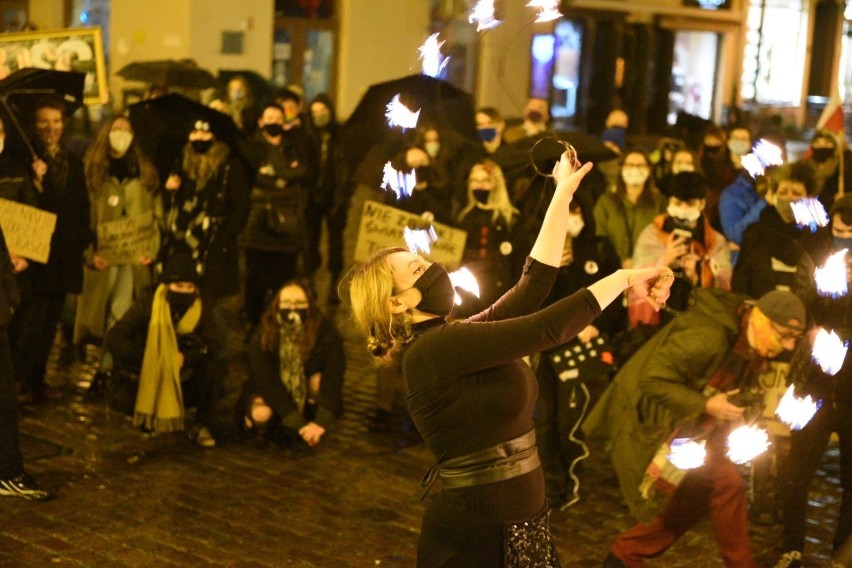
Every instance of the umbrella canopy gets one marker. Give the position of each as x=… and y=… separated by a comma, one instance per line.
x=163, y=124
x=440, y=103
x=517, y=157
x=21, y=91
x=169, y=73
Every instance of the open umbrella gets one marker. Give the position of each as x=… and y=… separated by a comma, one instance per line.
x=169, y=73
x=440, y=103
x=21, y=91
x=163, y=124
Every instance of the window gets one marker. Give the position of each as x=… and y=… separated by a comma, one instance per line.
x=774, y=61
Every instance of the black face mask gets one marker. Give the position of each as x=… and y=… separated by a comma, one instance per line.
x=293, y=316
x=436, y=291
x=820, y=155
x=201, y=146
x=273, y=129
x=481, y=195
x=712, y=151
x=179, y=302
x=535, y=116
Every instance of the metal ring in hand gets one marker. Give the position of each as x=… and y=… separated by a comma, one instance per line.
x=547, y=152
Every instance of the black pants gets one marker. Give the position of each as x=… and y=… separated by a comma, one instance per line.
x=335, y=221
x=807, y=448
x=11, y=460
x=32, y=332
x=265, y=273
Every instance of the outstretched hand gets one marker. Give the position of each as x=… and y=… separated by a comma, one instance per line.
x=568, y=174
x=654, y=284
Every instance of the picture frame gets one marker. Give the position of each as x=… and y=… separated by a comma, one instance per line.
x=72, y=49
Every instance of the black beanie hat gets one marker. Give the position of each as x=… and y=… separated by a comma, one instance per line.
x=180, y=267
x=688, y=185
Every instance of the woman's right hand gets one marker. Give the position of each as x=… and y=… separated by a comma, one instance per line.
x=676, y=247
x=567, y=178
x=99, y=262
x=654, y=284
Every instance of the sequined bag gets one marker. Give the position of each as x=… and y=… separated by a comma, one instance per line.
x=528, y=544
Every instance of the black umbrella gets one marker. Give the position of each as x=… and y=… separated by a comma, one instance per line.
x=21, y=91
x=163, y=124
x=169, y=73
x=517, y=157
x=440, y=103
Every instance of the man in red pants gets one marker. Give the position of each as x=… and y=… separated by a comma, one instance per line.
x=681, y=379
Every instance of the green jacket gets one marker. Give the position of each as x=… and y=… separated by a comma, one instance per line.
x=662, y=386
x=623, y=222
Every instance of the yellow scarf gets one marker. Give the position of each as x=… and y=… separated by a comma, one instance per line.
x=159, y=400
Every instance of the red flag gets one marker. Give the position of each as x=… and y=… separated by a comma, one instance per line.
x=832, y=115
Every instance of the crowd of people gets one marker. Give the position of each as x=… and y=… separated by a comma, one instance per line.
x=678, y=272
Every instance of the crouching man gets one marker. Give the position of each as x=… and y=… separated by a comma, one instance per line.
x=164, y=350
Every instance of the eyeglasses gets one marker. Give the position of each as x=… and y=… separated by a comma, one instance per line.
x=785, y=333
x=289, y=305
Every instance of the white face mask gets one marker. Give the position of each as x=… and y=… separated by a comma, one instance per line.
x=120, y=140
x=739, y=147
x=634, y=176
x=575, y=224
x=690, y=214
x=432, y=148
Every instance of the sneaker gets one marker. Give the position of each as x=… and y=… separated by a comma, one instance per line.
x=24, y=486
x=791, y=559
x=202, y=437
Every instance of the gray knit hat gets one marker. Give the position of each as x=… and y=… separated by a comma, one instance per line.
x=783, y=308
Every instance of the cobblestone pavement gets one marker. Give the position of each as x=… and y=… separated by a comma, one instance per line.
x=126, y=499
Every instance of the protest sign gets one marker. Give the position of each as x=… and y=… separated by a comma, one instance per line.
x=28, y=230
x=126, y=240
x=382, y=226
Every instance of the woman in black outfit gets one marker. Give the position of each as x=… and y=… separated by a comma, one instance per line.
x=470, y=395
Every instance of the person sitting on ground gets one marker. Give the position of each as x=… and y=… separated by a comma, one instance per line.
x=164, y=351
x=296, y=365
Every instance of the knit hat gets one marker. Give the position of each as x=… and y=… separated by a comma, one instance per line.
x=844, y=202
x=783, y=308
x=688, y=185
x=179, y=268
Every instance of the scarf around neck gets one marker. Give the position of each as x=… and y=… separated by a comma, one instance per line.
x=292, y=369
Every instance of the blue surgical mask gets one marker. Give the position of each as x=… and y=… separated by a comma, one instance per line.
x=842, y=243
x=487, y=134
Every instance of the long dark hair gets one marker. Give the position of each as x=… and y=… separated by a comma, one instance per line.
x=647, y=196
x=270, y=329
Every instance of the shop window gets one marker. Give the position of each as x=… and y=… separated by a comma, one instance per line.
x=774, y=59
x=304, y=43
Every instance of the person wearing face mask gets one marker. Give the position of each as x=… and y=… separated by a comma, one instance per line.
x=328, y=198
x=682, y=239
x=808, y=444
x=164, y=350
x=470, y=395
x=536, y=122
x=294, y=393
x=274, y=237
x=586, y=258
x=679, y=384
x=739, y=144
x=488, y=219
x=206, y=205
x=774, y=253
x=123, y=184
x=238, y=103
x=825, y=159
x=614, y=135
x=623, y=213
x=61, y=189
x=490, y=126
x=718, y=167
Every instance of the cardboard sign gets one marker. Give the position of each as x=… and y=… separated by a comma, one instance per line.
x=125, y=241
x=27, y=229
x=773, y=381
x=382, y=226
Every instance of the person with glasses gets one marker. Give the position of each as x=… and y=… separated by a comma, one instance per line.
x=296, y=364
x=678, y=386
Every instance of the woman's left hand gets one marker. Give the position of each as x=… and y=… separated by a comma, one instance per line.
x=654, y=284
x=311, y=433
x=567, y=178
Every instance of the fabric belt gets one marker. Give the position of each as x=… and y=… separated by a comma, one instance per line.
x=496, y=463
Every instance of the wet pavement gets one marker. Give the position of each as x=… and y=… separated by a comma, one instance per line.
x=128, y=499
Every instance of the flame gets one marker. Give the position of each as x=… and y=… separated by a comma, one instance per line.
x=399, y=182
x=796, y=412
x=831, y=276
x=809, y=212
x=464, y=279
x=829, y=351
x=400, y=115
x=763, y=154
x=548, y=10
x=687, y=454
x=430, y=54
x=420, y=240
x=483, y=15
x=746, y=443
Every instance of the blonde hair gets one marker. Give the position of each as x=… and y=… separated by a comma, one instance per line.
x=370, y=289
x=498, y=197
x=202, y=167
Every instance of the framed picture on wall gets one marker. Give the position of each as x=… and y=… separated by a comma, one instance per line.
x=78, y=49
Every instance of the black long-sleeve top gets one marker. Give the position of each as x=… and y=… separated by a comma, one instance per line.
x=467, y=388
